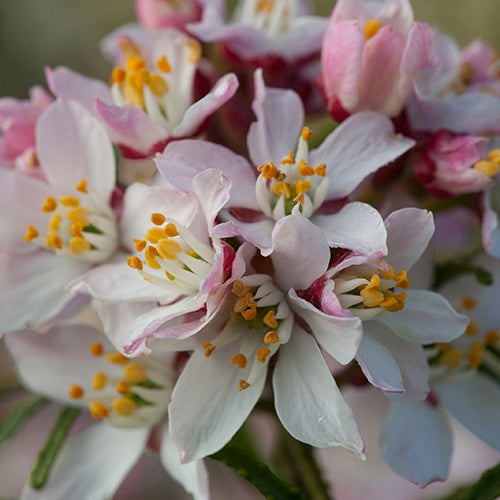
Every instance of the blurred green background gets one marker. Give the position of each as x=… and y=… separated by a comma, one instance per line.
x=34, y=34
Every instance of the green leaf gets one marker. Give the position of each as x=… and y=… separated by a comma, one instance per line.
x=47, y=456
x=488, y=486
x=19, y=417
x=257, y=474
x=448, y=270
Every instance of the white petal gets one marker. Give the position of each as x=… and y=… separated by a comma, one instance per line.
x=308, y=401
x=193, y=475
x=416, y=442
x=92, y=464
x=475, y=402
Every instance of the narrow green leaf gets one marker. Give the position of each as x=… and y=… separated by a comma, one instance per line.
x=47, y=456
x=19, y=417
x=488, y=486
x=257, y=474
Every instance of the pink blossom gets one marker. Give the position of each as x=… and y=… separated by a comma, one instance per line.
x=154, y=14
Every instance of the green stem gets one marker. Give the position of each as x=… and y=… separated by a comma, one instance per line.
x=47, y=456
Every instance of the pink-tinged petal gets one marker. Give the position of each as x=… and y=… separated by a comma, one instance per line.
x=182, y=160
x=21, y=197
x=92, y=463
x=347, y=9
x=339, y=337
x=195, y=115
x=397, y=13
x=416, y=442
x=380, y=71
x=341, y=55
x=33, y=287
x=379, y=366
x=426, y=318
x=131, y=127
x=63, y=82
x=356, y=148
x=73, y=145
x=49, y=363
x=408, y=355
x=357, y=227
x=206, y=408
x=475, y=402
x=193, y=475
x=490, y=228
x=268, y=140
x=307, y=399
x=409, y=231
x=256, y=233
x=300, y=253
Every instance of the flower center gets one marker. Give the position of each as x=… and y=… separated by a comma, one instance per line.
x=490, y=166
x=366, y=296
x=371, y=27
x=294, y=188
x=81, y=225
x=272, y=17
x=175, y=258
x=123, y=388
x=264, y=311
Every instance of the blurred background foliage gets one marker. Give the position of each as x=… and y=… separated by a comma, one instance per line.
x=35, y=34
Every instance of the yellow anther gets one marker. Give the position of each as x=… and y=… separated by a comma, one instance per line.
x=153, y=263
x=306, y=133
x=494, y=155
x=135, y=372
x=491, y=337
x=282, y=188
x=76, y=229
x=475, y=355
x=371, y=297
x=171, y=230
x=451, y=357
x=240, y=360
x=54, y=241
x=269, y=319
x=389, y=274
x=169, y=249
x=135, y=64
x=265, y=6
x=124, y=406
x=472, y=328
x=239, y=288
x=163, y=65
x=78, y=215
x=371, y=28
x=98, y=410
x=401, y=280
x=388, y=302
x=151, y=252
x=31, y=233
x=209, y=348
x=399, y=304
x=55, y=222
x=140, y=245
x=488, y=168
x=75, y=392
x=262, y=354
x=96, y=349
x=320, y=169
x=158, y=85
x=132, y=95
x=194, y=50
x=123, y=387
x=244, y=303
x=300, y=199
x=249, y=313
x=302, y=186
x=50, y=204
x=78, y=245
x=128, y=47
x=242, y=385
x=374, y=282
x=155, y=234
x=118, y=75
x=99, y=381
x=268, y=171
x=288, y=159
x=469, y=303
x=69, y=201
x=157, y=219
x=305, y=169
x=134, y=262
x=116, y=358
x=82, y=186
x=271, y=337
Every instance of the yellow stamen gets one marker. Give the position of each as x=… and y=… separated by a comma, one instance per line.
x=469, y=303
x=262, y=354
x=320, y=169
x=472, y=328
x=140, y=245
x=133, y=95
x=158, y=85
x=163, y=65
x=268, y=171
x=271, y=337
x=305, y=169
x=123, y=387
x=124, y=406
x=242, y=385
x=475, y=355
x=171, y=230
x=99, y=381
x=82, y=186
x=402, y=280
x=451, y=357
x=282, y=188
x=399, y=304
x=78, y=245
x=135, y=372
x=69, y=201
x=371, y=297
x=96, y=349
x=54, y=241
x=269, y=319
x=31, y=233
x=306, y=133
x=265, y=6
x=488, y=168
x=98, y=410
x=491, y=337
x=240, y=360
x=118, y=75
x=153, y=263
x=371, y=28
x=169, y=249
x=209, y=348
x=240, y=289
x=116, y=358
x=78, y=215
x=494, y=155
x=302, y=186
x=249, y=313
x=75, y=392
x=50, y=204
x=194, y=50
x=134, y=262
x=157, y=219
x=135, y=64
x=288, y=159
x=154, y=234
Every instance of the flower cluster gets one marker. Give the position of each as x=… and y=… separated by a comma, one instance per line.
x=186, y=243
